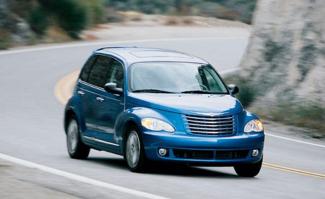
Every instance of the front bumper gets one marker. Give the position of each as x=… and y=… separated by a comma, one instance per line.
x=203, y=150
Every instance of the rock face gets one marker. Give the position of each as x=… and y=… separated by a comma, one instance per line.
x=14, y=30
x=285, y=60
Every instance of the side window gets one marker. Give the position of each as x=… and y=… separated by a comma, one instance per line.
x=87, y=67
x=97, y=75
x=115, y=73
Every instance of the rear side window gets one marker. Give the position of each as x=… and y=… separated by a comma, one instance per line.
x=86, y=69
x=99, y=70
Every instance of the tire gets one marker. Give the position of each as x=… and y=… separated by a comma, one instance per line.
x=249, y=170
x=76, y=148
x=134, y=151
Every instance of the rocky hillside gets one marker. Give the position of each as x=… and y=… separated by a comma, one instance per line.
x=283, y=72
x=12, y=27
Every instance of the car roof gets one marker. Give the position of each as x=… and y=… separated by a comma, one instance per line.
x=137, y=54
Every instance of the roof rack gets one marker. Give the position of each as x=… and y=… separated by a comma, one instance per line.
x=107, y=47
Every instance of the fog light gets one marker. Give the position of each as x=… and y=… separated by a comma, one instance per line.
x=255, y=152
x=162, y=152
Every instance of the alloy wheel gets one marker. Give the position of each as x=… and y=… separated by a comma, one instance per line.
x=133, y=149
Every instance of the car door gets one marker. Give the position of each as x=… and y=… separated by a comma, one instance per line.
x=85, y=93
x=110, y=105
x=91, y=84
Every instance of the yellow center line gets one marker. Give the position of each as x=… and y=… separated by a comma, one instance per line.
x=63, y=91
x=63, y=88
x=293, y=170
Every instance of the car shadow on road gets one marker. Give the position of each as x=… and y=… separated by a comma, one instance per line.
x=165, y=168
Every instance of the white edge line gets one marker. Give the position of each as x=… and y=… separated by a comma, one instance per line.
x=107, y=42
x=295, y=140
x=78, y=177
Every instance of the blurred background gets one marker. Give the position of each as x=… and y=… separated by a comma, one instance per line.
x=34, y=21
x=281, y=76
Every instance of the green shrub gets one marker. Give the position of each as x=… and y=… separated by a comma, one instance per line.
x=5, y=39
x=38, y=21
x=72, y=17
x=247, y=94
x=95, y=11
x=70, y=14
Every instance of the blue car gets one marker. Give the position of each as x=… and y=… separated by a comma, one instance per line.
x=160, y=105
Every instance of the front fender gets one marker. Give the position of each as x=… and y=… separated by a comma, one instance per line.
x=134, y=116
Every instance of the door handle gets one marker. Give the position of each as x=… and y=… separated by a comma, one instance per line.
x=81, y=92
x=100, y=99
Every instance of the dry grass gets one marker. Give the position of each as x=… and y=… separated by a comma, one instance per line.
x=188, y=21
x=177, y=20
x=171, y=21
x=89, y=37
x=132, y=16
x=56, y=35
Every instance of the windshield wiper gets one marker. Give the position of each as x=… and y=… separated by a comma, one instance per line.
x=201, y=92
x=151, y=91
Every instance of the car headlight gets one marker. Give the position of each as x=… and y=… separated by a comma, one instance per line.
x=156, y=125
x=253, y=126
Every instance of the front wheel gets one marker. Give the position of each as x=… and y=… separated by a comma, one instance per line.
x=134, y=152
x=76, y=148
x=249, y=170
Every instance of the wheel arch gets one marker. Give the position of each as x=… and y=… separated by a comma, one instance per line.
x=129, y=124
x=69, y=114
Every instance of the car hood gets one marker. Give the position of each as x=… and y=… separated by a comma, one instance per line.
x=188, y=103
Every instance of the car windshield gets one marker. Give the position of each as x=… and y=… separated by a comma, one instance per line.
x=175, y=77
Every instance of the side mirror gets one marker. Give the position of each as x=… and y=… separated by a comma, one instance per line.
x=111, y=87
x=233, y=89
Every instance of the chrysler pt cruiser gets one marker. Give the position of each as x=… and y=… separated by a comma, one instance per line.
x=160, y=105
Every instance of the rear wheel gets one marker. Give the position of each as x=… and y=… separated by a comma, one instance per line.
x=134, y=152
x=76, y=148
x=249, y=170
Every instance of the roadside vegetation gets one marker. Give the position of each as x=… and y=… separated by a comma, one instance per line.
x=239, y=10
x=26, y=22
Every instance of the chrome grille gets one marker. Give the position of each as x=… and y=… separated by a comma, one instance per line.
x=210, y=125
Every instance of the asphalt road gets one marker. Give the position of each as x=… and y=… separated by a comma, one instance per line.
x=31, y=129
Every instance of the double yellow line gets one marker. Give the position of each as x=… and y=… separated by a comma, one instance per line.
x=293, y=170
x=63, y=91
